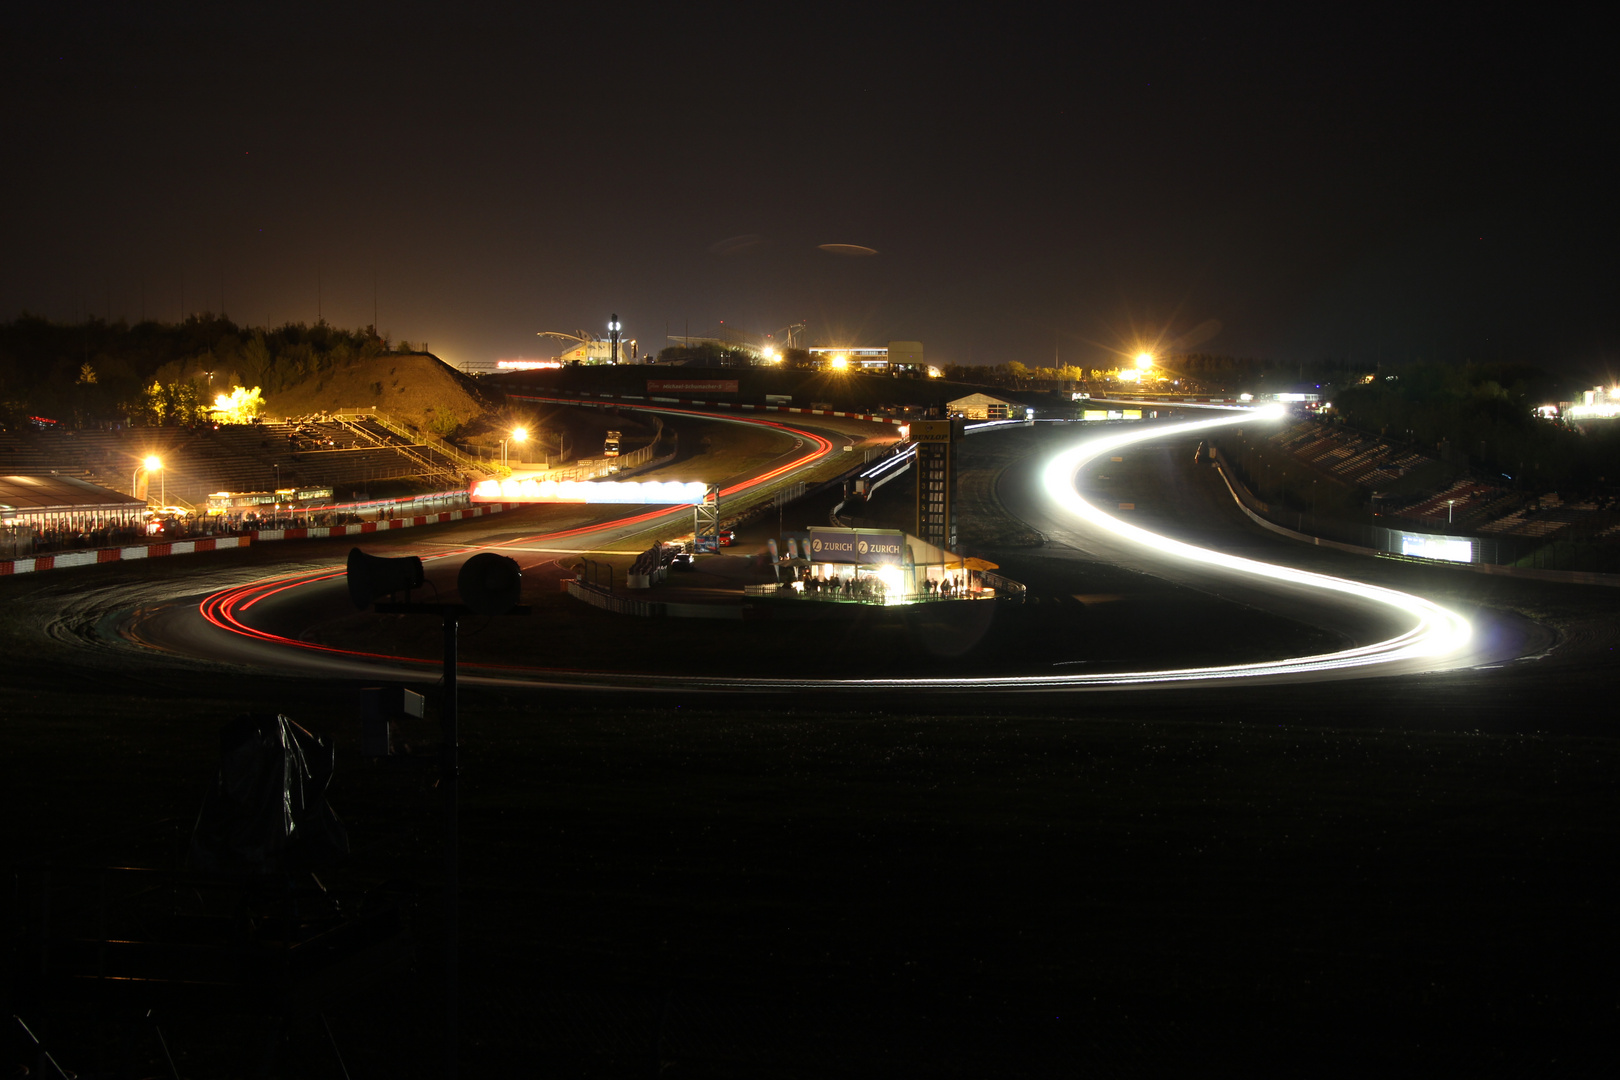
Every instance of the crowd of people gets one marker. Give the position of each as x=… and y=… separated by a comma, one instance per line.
x=946, y=588
x=871, y=589
x=868, y=590
x=20, y=540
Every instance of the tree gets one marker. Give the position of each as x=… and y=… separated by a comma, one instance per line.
x=238, y=407
x=168, y=405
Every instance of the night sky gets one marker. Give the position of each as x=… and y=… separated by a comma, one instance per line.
x=1301, y=183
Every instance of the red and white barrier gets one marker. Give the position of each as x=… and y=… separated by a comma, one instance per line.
x=102, y=555
x=220, y=543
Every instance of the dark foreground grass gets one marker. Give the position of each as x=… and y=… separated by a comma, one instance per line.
x=792, y=889
x=1405, y=877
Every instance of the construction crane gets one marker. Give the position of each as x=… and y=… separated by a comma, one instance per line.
x=581, y=337
x=793, y=331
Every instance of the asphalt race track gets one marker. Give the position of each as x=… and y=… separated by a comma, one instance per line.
x=1386, y=631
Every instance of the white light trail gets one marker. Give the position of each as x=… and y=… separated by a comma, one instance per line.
x=646, y=493
x=1435, y=636
x=1436, y=632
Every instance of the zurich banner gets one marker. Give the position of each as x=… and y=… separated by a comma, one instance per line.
x=865, y=546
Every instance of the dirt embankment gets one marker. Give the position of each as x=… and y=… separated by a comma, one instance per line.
x=415, y=388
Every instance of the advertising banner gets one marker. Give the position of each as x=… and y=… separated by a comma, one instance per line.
x=1429, y=546
x=863, y=546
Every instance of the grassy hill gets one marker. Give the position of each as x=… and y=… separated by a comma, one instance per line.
x=418, y=389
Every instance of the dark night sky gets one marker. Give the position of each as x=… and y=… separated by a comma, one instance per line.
x=1322, y=180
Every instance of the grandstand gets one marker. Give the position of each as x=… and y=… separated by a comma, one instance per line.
x=346, y=452
x=1463, y=504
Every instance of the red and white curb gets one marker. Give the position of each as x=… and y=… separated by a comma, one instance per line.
x=63, y=560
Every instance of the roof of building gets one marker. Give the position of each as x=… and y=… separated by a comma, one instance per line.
x=981, y=399
x=44, y=494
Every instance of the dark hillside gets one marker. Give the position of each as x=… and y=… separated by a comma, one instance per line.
x=840, y=390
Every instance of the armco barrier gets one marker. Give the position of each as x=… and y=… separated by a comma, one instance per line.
x=220, y=543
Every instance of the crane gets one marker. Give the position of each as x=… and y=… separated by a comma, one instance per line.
x=792, y=331
x=581, y=337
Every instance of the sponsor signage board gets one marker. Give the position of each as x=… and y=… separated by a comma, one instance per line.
x=931, y=431
x=1428, y=546
x=706, y=386
x=864, y=546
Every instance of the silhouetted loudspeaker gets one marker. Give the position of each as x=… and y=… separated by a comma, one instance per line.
x=371, y=576
x=489, y=583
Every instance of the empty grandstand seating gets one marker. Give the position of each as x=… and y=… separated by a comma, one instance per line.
x=1369, y=462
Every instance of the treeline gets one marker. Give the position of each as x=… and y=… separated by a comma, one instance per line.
x=1482, y=416
x=97, y=373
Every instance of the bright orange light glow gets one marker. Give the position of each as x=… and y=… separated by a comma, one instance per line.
x=840, y=363
x=519, y=434
x=1144, y=360
x=153, y=463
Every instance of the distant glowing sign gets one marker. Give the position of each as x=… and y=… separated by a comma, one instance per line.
x=1449, y=548
x=646, y=493
x=526, y=365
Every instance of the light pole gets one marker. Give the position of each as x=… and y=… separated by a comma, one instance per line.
x=613, y=335
x=1449, y=504
x=155, y=462
x=518, y=435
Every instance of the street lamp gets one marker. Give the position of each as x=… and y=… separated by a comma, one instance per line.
x=518, y=435
x=155, y=462
x=1449, y=504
